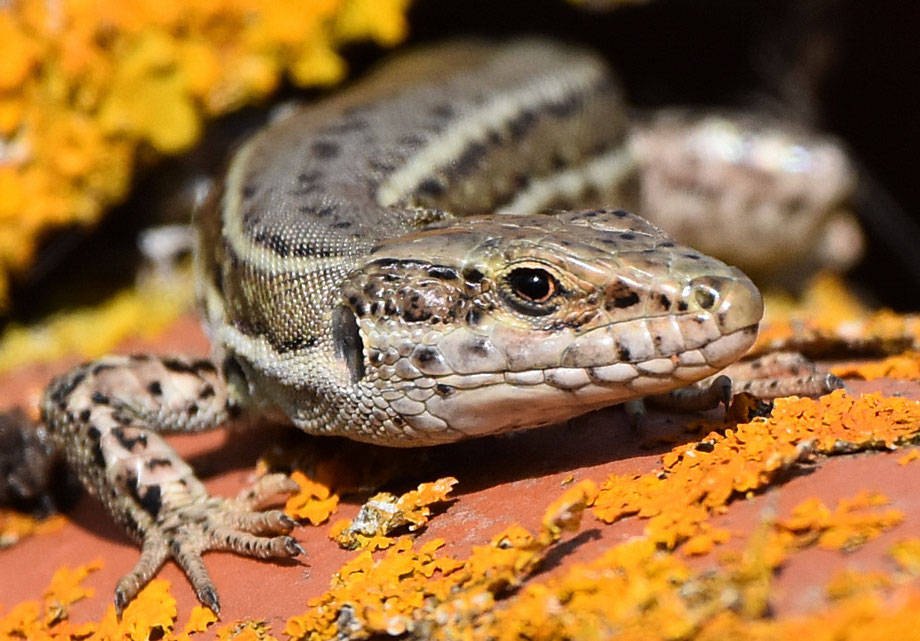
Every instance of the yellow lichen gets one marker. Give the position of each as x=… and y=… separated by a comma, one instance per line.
x=829, y=318
x=906, y=555
x=85, y=87
x=847, y=584
x=904, y=366
x=418, y=592
x=198, y=621
x=638, y=589
x=91, y=332
x=846, y=527
x=314, y=502
x=245, y=631
x=697, y=480
x=634, y=590
x=15, y=526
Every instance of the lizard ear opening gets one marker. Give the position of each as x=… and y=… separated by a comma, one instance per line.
x=347, y=340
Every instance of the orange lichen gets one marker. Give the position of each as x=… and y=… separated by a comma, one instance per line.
x=415, y=591
x=198, y=621
x=87, y=88
x=384, y=512
x=864, y=617
x=847, y=584
x=92, y=331
x=904, y=366
x=829, y=318
x=705, y=540
x=314, y=502
x=15, y=526
x=247, y=630
x=846, y=527
x=635, y=590
x=151, y=614
x=906, y=555
x=699, y=479
x=910, y=457
x=34, y=619
x=564, y=514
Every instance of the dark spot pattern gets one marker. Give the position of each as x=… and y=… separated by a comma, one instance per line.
x=64, y=387
x=325, y=149
x=178, y=366
x=426, y=355
x=431, y=187
x=620, y=296
x=443, y=111
x=521, y=124
x=154, y=463
x=151, y=500
x=128, y=442
x=478, y=347
x=473, y=275
x=293, y=344
x=101, y=367
x=442, y=272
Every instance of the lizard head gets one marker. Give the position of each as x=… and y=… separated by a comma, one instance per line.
x=519, y=321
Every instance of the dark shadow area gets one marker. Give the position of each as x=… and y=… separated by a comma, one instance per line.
x=558, y=553
x=480, y=463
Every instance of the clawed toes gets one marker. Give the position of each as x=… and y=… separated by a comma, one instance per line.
x=834, y=382
x=268, y=489
x=721, y=389
x=214, y=524
x=208, y=598
x=295, y=548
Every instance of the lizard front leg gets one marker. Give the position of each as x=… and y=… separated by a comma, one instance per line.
x=107, y=418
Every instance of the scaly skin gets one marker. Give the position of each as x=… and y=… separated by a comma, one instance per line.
x=348, y=281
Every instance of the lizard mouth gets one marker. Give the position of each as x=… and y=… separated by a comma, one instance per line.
x=478, y=403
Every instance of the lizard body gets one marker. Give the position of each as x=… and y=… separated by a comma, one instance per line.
x=354, y=276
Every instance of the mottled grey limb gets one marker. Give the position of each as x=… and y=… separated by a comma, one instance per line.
x=107, y=418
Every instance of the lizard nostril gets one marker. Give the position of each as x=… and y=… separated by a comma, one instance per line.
x=705, y=296
x=733, y=300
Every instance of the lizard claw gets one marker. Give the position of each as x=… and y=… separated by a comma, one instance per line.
x=184, y=533
x=209, y=599
x=721, y=389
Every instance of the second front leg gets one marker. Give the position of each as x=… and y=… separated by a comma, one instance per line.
x=107, y=418
x=766, y=378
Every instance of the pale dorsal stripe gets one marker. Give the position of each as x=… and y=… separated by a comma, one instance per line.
x=475, y=127
x=603, y=173
x=244, y=246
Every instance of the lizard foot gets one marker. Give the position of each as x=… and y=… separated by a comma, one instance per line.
x=186, y=532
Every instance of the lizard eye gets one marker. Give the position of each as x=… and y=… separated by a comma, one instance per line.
x=535, y=285
x=529, y=290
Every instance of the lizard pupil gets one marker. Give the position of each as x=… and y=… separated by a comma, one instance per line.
x=536, y=285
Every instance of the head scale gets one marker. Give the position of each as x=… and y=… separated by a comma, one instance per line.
x=519, y=321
